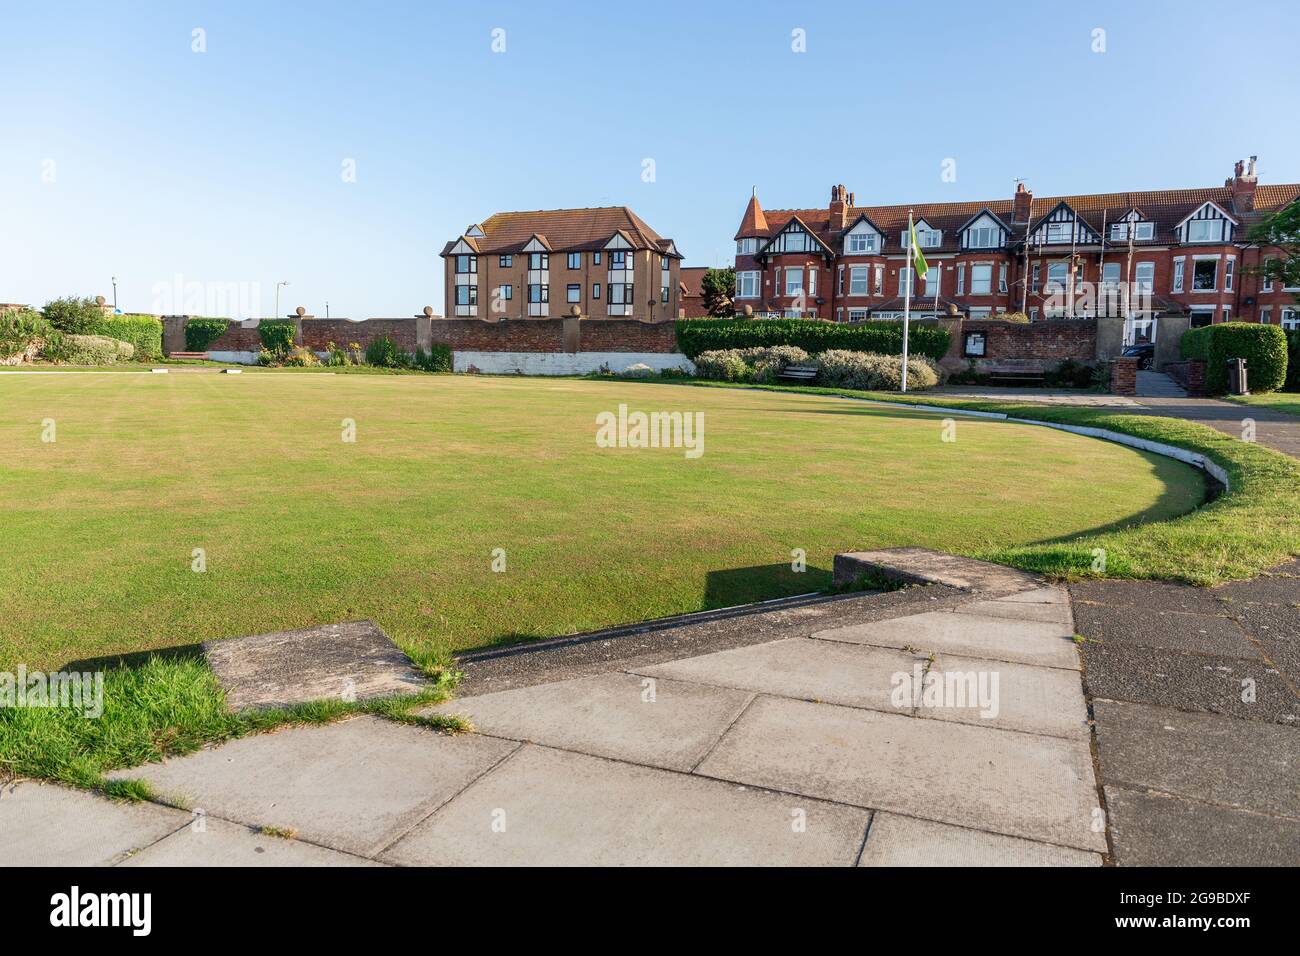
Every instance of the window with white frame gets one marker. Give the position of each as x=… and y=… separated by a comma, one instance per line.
x=1205, y=275
x=1177, y=284
x=796, y=241
x=746, y=247
x=1037, y=274
x=982, y=237
x=1002, y=277
x=879, y=284
x=1141, y=230
x=746, y=285
x=1205, y=230
x=1290, y=318
x=932, y=280
x=961, y=280
x=857, y=315
x=904, y=280
x=981, y=277
x=1060, y=231
x=980, y=312
x=1228, y=267
x=1265, y=315
x=1267, y=285
x=927, y=237
x=860, y=242
x=1144, y=276
x=812, y=281
x=858, y=280
x=839, y=280
x=1058, y=273
x=793, y=281
x=1033, y=314
x=1110, y=274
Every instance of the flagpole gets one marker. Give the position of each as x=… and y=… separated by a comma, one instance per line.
x=907, y=294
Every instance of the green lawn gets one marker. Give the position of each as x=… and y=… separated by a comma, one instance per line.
x=1288, y=402
x=300, y=527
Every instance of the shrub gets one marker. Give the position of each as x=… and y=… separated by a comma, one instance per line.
x=22, y=332
x=301, y=358
x=87, y=350
x=1069, y=374
x=696, y=336
x=1264, y=347
x=1293, y=360
x=382, y=352
x=437, y=359
x=1019, y=318
x=200, y=333
x=722, y=365
x=142, y=331
x=767, y=363
x=868, y=371
x=276, y=335
x=75, y=316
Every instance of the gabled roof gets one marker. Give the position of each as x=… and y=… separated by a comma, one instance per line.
x=564, y=230
x=984, y=212
x=863, y=217
x=1210, y=202
x=792, y=221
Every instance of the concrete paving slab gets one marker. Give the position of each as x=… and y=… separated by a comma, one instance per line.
x=1276, y=630
x=1052, y=613
x=1035, y=700
x=1143, y=627
x=907, y=841
x=649, y=720
x=992, y=638
x=1149, y=829
x=1281, y=589
x=1189, y=682
x=1039, y=596
x=220, y=843
x=351, y=661
x=855, y=676
x=555, y=808
x=1151, y=595
x=49, y=825
x=924, y=566
x=1011, y=783
x=1221, y=760
x=355, y=785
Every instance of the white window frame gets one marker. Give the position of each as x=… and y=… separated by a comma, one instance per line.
x=746, y=247
x=961, y=280
x=1196, y=261
x=856, y=273
x=878, y=287
x=752, y=276
x=976, y=281
x=1289, y=317
x=1221, y=223
x=857, y=315
x=983, y=237
x=1229, y=267
x=1150, y=281
x=793, y=288
x=812, y=280
x=904, y=277
x=933, y=276
x=1002, y=277
x=860, y=243
x=1180, y=268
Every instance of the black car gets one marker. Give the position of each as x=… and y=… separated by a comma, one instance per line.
x=1144, y=352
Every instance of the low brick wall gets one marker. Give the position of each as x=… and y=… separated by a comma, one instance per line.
x=1189, y=374
x=1034, y=346
x=317, y=334
x=1123, y=375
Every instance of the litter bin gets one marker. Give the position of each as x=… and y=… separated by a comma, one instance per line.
x=1237, y=376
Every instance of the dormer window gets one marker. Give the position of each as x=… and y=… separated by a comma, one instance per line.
x=1141, y=230
x=796, y=241
x=860, y=242
x=1205, y=230
x=927, y=237
x=466, y=264
x=982, y=237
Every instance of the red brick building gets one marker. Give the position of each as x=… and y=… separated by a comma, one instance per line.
x=606, y=262
x=1172, y=250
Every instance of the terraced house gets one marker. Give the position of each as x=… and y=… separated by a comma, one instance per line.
x=605, y=262
x=1054, y=257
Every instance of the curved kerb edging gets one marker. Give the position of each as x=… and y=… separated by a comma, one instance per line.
x=1195, y=459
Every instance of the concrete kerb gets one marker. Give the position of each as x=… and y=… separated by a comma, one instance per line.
x=1195, y=459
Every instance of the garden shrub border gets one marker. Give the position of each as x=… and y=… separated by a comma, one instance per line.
x=1264, y=347
x=202, y=332
x=707, y=335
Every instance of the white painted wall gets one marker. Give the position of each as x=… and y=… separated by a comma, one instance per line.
x=241, y=358
x=565, y=363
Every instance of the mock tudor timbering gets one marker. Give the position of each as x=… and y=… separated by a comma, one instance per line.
x=1188, y=249
x=606, y=262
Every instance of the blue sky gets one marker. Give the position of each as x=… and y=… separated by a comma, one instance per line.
x=126, y=153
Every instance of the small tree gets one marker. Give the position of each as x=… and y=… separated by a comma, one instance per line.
x=716, y=288
x=73, y=315
x=1280, y=229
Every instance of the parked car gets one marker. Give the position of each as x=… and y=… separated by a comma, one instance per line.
x=1144, y=352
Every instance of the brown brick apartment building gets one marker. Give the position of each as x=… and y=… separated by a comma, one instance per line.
x=1186, y=248
x=606, y=261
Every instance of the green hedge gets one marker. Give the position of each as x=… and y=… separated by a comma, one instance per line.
x=200, y=333
x=276, y=335
x=884, y=338
x=1293, y=360
x=1264, y=347
x=142, y=331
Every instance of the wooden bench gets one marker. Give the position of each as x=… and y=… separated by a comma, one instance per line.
x=188, y=355
x=799, y=373
x=1017, y=377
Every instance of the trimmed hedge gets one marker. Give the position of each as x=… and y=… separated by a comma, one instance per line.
x=1293, y=360
x=886, y=338
x=200, y=333
x=1264, y=347
x=142, y=331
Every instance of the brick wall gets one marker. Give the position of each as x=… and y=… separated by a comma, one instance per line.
x=1190, y=375
x=1123, y=375
x=1037, y=346
x=317, y=334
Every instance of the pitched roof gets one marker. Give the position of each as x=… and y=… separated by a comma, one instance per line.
x=565, y=230
x=1165, y=207
x=690, y=278
x=754, y=222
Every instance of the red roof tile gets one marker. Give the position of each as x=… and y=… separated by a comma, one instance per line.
x=564, y=230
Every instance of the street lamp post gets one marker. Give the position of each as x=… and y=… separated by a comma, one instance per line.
x=277, y=296
x=114, y=293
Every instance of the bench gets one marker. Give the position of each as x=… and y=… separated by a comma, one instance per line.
x=1008, y=377
x=187, y=355
x=799, y=373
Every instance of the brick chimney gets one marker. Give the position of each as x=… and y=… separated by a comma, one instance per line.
x=1243, y=184
x=1021, y=204
x=839, y=208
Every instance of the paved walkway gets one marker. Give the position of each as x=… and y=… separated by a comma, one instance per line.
x=931, y=726
x=1273, y=429
x=1158, y=385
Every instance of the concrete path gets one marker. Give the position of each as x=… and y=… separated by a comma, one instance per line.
x=1273, y=429
x=935, y=726
x=1158, y=385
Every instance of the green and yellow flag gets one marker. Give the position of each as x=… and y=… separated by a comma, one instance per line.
x=918, y=261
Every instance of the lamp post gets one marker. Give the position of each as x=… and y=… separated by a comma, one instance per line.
x=114, y=293
x=277, y=296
